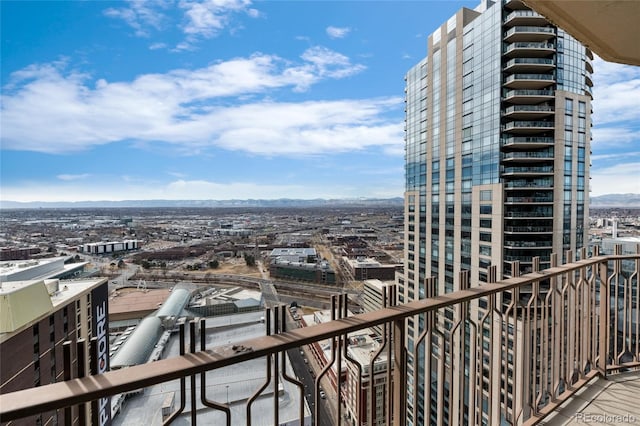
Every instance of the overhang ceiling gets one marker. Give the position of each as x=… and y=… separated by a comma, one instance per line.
x=610, y=28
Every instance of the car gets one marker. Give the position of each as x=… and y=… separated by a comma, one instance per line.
x=322, y=394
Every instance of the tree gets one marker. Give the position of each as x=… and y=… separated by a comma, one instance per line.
x=145, y=264
x=214, y=264
x=120, y=264
x=249, y=260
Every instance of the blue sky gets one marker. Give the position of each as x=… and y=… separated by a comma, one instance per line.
x=231, y=99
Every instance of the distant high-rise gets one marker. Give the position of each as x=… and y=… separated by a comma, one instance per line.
x=497, y=154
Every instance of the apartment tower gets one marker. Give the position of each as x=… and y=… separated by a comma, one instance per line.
x=497, y=157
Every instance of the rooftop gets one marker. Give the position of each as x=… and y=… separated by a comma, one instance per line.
x=20, y=270
x=23, y=303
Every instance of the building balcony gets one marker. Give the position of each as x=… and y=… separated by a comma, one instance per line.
x=527, y=156
x=526, y=126
x=588, y=81
x=529, y=65
x=527, y=141
x=529, y=49
x=528, y=112
x=541, y=199
x=532, y=184
x=515, y=5
x=517, y=171
x=540, y=213
x=524, y=18
x=589, y=92
x=547, y=334
x=544, y=259
x=529, y=81
x=524, y=96
x=529, y=244
x=529, y=34
x=528, y=229
x=588, y=66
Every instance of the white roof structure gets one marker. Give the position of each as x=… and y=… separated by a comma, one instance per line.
x=232, y=384
x=23, y=303
x=25, y=270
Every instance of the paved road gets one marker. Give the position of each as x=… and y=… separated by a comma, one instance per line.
x=270, y=294
x=303, y=372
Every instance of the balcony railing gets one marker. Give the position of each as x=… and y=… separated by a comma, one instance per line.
x=500, y=354
x=528, y=170
x=528, y=124
x=531, y=49
x=539, y=199
x=532, y=63
x=530, y=29
x=528, y=229
x=531, y=140
x=528, y=108
x=529, y=183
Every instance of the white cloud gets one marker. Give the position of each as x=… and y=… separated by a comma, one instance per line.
x=624, y=177
x=330, y=63
x=309, y=127
x=156, y=46
x=604, y=157
x=69, y=177
x=614, y=137
x=338, y=32
x=200, y=19
x=140, y=15
x=188, y=108
x=616, y=93
x=207, y=18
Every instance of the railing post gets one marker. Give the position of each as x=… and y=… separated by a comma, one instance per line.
x=603, y=341
x=192, y=349
x=66, y=355
x=93, y=366
x=399, y=374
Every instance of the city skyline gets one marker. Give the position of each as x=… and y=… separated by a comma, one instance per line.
x=116, y=101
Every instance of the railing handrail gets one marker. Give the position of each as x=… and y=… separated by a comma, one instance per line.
x=77, y=391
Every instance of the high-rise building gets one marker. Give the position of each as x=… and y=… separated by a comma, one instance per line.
x=497, y=155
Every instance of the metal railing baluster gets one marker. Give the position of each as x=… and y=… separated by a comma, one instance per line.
x=226, y=408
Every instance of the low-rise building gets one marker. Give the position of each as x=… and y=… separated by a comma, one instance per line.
x=320, y=272
x=110, y=247
x=48, y=268
x=364, y=269
x=294, y=254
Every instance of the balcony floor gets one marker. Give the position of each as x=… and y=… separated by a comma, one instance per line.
x=615, y=396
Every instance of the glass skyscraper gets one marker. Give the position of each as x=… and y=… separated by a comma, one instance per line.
x=497, y=159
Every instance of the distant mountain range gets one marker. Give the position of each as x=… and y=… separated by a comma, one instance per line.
x=282, y=202
x=609, y=200
x=616, y=200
